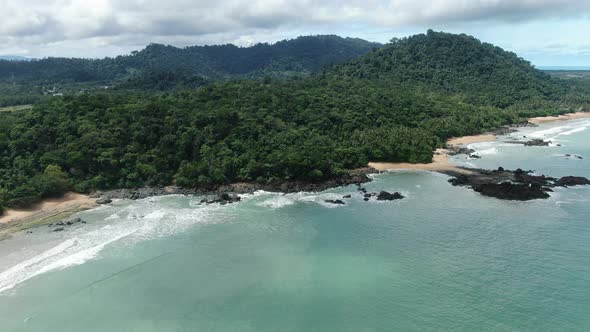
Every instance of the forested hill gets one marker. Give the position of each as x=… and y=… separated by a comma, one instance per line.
x=396, y=104
x=482, y=73
x=300, y=55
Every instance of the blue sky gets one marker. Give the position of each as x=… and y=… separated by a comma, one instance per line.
x=545, y=32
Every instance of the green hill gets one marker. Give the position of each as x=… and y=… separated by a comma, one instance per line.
x=395, y=104
x=300, y=55
x=458, y=64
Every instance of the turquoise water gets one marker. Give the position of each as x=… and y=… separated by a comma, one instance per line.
x=445, y=258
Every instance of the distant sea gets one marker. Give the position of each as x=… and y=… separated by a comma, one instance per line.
x=565, y=68
x=444, y=258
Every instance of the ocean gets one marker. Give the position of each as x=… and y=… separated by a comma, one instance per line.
x=444, y=258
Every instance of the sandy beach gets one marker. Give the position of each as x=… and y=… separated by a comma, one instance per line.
x=45, y=212
x=570, y=116
x=440, y=161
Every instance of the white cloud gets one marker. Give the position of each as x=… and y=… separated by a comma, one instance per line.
x=74, y=27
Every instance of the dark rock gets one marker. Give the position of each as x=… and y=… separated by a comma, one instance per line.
x=579, y=157
x=366, y=199
x=453, y=151
x=334, y=201
x=568, y=155
x=385, y=196
x=511, y=191
x=570, y=181
x=104, y=200
x=60, y=229
x=533, y=142
x=474, y=156
x=69, y=223
x=347, y=196
x=61, y=223
x=500, y=169
x=537, y=142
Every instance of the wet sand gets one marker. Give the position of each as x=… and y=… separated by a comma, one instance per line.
x=48, y=211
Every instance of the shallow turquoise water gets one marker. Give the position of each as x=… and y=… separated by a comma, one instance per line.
x=444, y=258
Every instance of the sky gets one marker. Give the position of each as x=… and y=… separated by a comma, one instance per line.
x=545, y=32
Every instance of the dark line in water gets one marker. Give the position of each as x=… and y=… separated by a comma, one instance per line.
x=107, y=278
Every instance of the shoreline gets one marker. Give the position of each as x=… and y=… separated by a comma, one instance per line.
x=52, y=210
x=440, y=161
x=563, y=117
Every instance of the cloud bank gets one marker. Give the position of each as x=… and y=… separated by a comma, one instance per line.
x=40, y=25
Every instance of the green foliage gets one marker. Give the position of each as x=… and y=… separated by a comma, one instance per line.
x=396, y=104
x=480, y=73
x=164, y=68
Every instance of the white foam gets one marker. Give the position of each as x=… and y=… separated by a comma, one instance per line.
x=139, y=221
x=277, y=201
x=568, y=129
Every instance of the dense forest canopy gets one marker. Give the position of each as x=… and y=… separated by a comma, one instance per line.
x=301, y=55
x=163, y=68
x=394, y=104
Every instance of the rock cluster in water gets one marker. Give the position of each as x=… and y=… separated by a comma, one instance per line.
x=61, y=226
x=513, y=185
x=381, y=196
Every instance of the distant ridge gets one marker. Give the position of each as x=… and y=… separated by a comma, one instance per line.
x=565, y=68
x=301, y=55
x=14, y=58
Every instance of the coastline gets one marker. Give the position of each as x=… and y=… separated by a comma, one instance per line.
x=440, y=161
x=52, y=210
x=563, y=117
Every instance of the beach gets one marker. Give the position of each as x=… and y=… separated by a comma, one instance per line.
x=49, y=210
x=55, y=209
x=564, y=117
x=440, y=160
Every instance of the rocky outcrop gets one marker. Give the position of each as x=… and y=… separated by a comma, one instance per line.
x=223, y=199
x=103, y=201
x=532, y=142
x=570, y=181
x=511, y=191
x=385, y=196
x=537, y=142
x=454, y=150
x=512, y=185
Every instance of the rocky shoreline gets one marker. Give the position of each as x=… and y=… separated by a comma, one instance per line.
x=356, y=176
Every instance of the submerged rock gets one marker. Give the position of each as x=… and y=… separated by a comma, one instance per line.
x=335, y=201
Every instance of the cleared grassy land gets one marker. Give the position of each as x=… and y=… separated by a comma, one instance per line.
x=16, y=108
